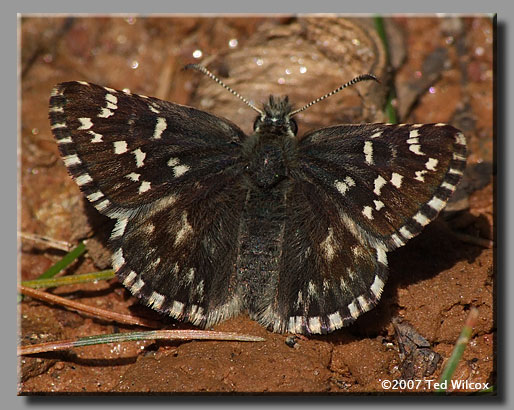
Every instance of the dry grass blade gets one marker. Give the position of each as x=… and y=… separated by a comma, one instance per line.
x=135, y=336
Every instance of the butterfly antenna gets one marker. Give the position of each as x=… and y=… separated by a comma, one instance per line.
x=362, y=77
x=203, y=70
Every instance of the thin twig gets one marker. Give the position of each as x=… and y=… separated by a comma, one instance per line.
x=80, y=307
x=474, y=240
x=49, y=242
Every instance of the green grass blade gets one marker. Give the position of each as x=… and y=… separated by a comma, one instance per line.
x=64, y=262
x=389, y=108
x=69, y=280
x=458, y=351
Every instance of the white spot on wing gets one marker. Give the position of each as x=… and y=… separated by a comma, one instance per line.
x=431, y=164
x=378, y=205
x=379, y=183
x=71, y=160
x=367, y=212
x=133, y=176
x=299, y=299
x=120, y=147
x=354, y=312
x=413, y=134
x=102, y=205
x=421, y=219
x=145, y=186
x=376, y=134
x=97, y=137
x=56, y=91
x=335, y=321
x=381, y=255
x=159, y=128
x=416, y=148
x=130, y=278
x=458, y=157
x=343, y=186
x=140, y=157
x=377, y=287
x=314, y=325
x=311, y=290
x=58, y=125
x=177, y=308
x=460, y=138
x=190, y=276
x=368, y=152
x=95, y=196
x=419, y=175
x=106, y=113
x=406, y=233
x=66, y=140
x=85, y=124
x=396, y=179
x=436, y=203
x=83, y=179
x=117, y=259
x=112, y=99
x=180, y=170
x=172, y=162
x=455, y=171
x=397, y=240
x=119, y=228
x=363, y=302
x=136, y=287
x=448, y=186
x=156, y=300
x=328, y=245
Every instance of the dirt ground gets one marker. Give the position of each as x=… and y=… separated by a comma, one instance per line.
x=442, y=71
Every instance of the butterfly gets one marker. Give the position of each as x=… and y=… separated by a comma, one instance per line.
x=211, y=222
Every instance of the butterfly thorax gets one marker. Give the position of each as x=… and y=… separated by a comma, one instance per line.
x=270, y=150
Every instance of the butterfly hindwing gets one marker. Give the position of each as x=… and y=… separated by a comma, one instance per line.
x=179, y=256
x=329, y=272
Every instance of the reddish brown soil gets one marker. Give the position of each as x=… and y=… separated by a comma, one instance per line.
x=434, y=280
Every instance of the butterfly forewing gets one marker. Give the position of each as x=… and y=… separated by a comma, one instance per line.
x=125, y=150
x=391, y=180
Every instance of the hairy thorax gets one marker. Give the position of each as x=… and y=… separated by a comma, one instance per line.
x=269, y=159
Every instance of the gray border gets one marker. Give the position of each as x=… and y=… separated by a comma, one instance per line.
x=505, y=169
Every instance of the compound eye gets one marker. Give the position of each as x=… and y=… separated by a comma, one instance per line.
x=294, y=126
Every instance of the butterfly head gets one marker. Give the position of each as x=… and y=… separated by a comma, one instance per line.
x=276, y=118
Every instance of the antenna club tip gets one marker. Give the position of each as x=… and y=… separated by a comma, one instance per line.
x=371, y=77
